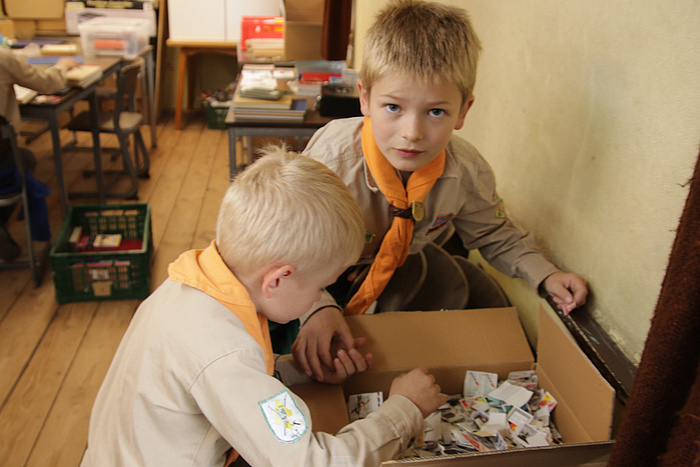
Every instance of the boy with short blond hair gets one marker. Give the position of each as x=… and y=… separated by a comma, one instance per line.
x=193, y=375
x=411, y=175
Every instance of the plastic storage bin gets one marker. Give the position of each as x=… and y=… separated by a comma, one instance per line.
x=114, y=36
x=104, y=275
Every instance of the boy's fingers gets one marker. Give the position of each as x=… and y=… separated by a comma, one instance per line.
x=359, y=362
x=323, y=349
x=314, y=362
x=347, y=363
x=299, y=352
x=340, y=371
x=347, y=339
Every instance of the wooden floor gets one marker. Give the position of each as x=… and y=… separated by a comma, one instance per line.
x=53, y=358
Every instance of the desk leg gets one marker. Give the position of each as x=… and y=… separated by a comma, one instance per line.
x=97, y=152
x=182, y=65
x=249, y=148
x=231, y=153
x=192, y=63
x=56, y=141
x=150, y=100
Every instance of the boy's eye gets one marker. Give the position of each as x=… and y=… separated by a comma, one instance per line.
x=436, y=112
x=393, y=108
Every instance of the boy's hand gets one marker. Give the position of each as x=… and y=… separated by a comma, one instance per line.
x=67, y=63
x=568, y=290
x=346, y=363
x=419, y=387
x=312, y=347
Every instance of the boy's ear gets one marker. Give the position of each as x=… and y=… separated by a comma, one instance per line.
x=463, y=113
x=272, y=280
x=364, y=98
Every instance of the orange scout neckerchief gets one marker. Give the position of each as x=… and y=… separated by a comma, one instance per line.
x=394, y=248
x=205, y=270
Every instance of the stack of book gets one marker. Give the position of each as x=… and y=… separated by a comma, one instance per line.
x=259, y=96
x=284, y=108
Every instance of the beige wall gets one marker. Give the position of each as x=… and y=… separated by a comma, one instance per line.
x=589, y=113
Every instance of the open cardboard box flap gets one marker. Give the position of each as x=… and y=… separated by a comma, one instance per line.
x=585, y=399
x=449, y=343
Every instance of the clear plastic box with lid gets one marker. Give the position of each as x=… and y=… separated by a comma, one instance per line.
x=114, y=36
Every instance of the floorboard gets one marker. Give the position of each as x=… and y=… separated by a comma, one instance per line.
x=53, y=357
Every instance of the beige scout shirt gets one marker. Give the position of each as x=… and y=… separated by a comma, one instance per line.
x=13, y=70
x=465, y=195
x=188, y=381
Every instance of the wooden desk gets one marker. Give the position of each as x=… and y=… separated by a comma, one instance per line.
x=284, y=129
x=190, y=49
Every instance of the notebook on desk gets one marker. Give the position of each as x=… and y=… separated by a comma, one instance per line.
x=83, y=75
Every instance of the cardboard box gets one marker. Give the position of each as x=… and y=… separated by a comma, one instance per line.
x=303, y=29
x=451, y=342
x=36, y=9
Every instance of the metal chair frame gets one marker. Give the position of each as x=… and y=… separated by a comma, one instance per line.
x=123, y=121
x=37, y=263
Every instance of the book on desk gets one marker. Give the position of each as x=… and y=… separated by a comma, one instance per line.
x=275, y=104
x=81, y=76
x=295, y=113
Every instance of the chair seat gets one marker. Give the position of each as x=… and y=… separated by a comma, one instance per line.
x=128, y=121
x=126, y=127
x=10, y=199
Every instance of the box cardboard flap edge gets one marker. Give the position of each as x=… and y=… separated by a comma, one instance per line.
x=448, y=343
x=570, y=455
x=585, y=399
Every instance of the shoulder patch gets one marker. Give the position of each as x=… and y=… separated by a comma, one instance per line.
x=501, y=211
x=284, y=418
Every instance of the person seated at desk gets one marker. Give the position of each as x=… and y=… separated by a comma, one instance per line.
x=13, y=70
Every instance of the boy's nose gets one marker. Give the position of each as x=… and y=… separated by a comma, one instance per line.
x=412, y=129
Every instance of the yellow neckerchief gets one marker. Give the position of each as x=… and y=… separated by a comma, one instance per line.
x=205, y=270
x=394, y=248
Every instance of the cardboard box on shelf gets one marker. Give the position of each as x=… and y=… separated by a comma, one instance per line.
x=303, y=29
x=449, y=343
x=37, y=9
x=7, y=28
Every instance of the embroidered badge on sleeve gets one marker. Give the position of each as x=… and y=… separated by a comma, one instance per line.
x=501, y=211
x=284, y=418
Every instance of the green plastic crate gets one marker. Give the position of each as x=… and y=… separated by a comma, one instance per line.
x=216, y=116
x=103, y=275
